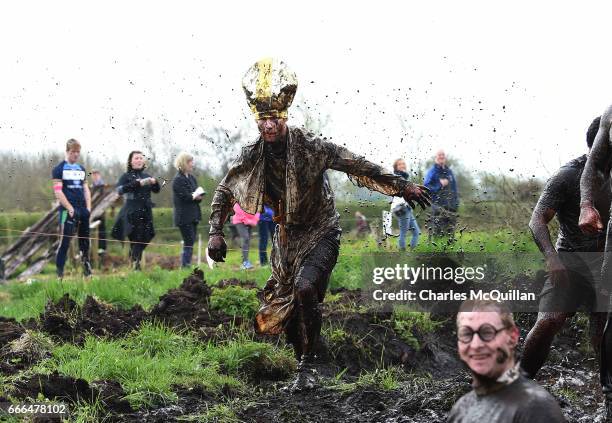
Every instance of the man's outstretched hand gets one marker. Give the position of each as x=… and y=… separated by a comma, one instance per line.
x=217, y=248
x=419, y=194
x=590, y=220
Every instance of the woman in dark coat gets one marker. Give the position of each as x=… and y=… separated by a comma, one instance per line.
x=186, y=196
x=135, y=220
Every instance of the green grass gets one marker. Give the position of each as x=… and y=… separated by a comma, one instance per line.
x=26, y=300
x=235, y=301
x=151, y=361
x=407, y=324
x=89, y=412
x=126, y=288
x=384, y=379
x=481, y=241
x=569, y=393
x=217, y=413
x=23, y=300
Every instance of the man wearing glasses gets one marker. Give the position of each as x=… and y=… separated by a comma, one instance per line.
x=486, y=339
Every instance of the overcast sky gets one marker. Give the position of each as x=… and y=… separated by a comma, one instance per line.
x=504, y=87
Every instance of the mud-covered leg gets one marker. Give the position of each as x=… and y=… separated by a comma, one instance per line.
x=539, y=340
x=308, y=319
x=605, y=367
x=309, y=314
x=597, y=323
x=310, y=286
x=605, y=356
x=293, y=336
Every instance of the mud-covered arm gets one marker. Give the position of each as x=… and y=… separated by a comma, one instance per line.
x=548, y=204
x=222, y=203
x=597, y=163
x=363, y=172
x=223, y=198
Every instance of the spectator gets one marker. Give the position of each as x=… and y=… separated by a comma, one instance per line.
x=362, y=227
x=186, y=196
x=266, y=226
x=486, y=339
x=98, y=185
x=403, y=212
x=71, y=190
x=445, y=200
x=244, y=223
x=135, y=220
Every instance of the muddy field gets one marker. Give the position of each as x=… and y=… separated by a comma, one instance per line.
x=427, y=376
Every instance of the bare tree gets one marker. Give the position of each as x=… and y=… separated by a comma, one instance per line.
x=223, y=148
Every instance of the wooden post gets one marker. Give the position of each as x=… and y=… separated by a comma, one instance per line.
x=93, y=244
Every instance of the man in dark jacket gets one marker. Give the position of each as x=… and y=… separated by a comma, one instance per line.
x=444, y=197
x=186, y=196
x=286, y=168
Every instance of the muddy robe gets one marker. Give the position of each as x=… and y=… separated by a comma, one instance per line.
x=290, y=176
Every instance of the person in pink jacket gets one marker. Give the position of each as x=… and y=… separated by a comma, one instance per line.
x=244, y=223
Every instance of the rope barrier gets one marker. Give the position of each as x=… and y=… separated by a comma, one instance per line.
x=31, y=233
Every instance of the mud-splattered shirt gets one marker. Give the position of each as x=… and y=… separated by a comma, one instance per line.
x=562, y=194
x=296, y=175
x=521, y=401
x=276, y=168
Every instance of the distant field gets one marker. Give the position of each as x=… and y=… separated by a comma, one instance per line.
x=491, y=215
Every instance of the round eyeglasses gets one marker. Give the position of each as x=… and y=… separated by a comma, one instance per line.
x=486, y=333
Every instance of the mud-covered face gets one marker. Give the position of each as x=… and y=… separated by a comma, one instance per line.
x=137, y=162
x=73, y=155
x=487, y=358
x=272, y=129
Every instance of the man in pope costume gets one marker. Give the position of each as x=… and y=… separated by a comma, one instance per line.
x=285, y=168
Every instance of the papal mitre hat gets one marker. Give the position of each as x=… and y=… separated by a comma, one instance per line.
x=269, y=86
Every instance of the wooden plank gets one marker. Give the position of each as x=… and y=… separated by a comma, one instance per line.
x=32, y=240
